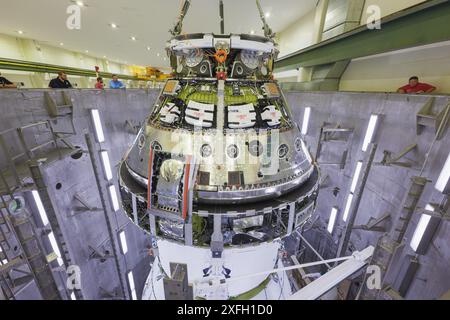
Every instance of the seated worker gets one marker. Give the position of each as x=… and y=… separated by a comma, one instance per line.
x=60, y=82
x=99, y=84
x=6, y=84
x=416, y=87
x=115, y=83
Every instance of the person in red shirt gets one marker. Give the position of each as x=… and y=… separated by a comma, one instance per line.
x=416, y=87
x=99, y=84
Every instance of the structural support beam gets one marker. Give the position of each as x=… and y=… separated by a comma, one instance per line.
x=35, y=257
x=331, y=279
x=30, y=66
x=423, y=24
x=37, y=173
x=342, y=16
x=101, y=190
x=358, y=197
x=391, y=244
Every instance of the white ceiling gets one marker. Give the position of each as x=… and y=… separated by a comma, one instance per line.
x=147, y=20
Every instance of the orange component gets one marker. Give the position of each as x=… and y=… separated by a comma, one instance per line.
x=186, y=188
x=221, y=56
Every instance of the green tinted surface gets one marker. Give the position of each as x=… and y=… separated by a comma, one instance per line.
x=248, y=96
x=192, y=93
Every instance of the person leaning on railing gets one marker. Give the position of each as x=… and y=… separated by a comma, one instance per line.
x=416, y=87
x=60, y=82
x=115, y=83
x=6, y=84
x=99, y=84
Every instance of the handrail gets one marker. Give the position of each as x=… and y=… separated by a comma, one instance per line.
x=20, y=65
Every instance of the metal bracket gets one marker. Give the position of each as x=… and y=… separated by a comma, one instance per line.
x=439, y=121
x=134, y=129
x=389, y=293
x=44, y=231
x=17, y=282
x=217, y=238
x=95, y=254
x=6, y=268
x=115, y=294
x=335, y=134
x=177, y=286
x=389, y=160
x=85, y=208
x=373, y=224
x=324, y=179
x=438, y=212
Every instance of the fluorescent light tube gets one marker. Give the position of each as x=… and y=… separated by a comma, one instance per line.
x=55, y=247
x=442, y=182
x=114, y=199
x=123, y=242
x=132, y=287
x=98, y=125
x=421, y=228
x=347, y=207
x=40, y=207
x=332, y=221
x=370, y=132
x=106, y=165
x=306, y=118
x=356, y=177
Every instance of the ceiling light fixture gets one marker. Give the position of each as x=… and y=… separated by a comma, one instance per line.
x=19, y=31
x=148, y=48
x=113, y=25
x=61, y=44
x=80, y=3
x=267, y=14
x=252, y=32
x=133, y=38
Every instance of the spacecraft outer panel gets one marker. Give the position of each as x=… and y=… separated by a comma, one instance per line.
x=241, y=262
x=237, y=166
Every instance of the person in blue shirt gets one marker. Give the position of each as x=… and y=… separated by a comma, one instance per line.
x=115, y=83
